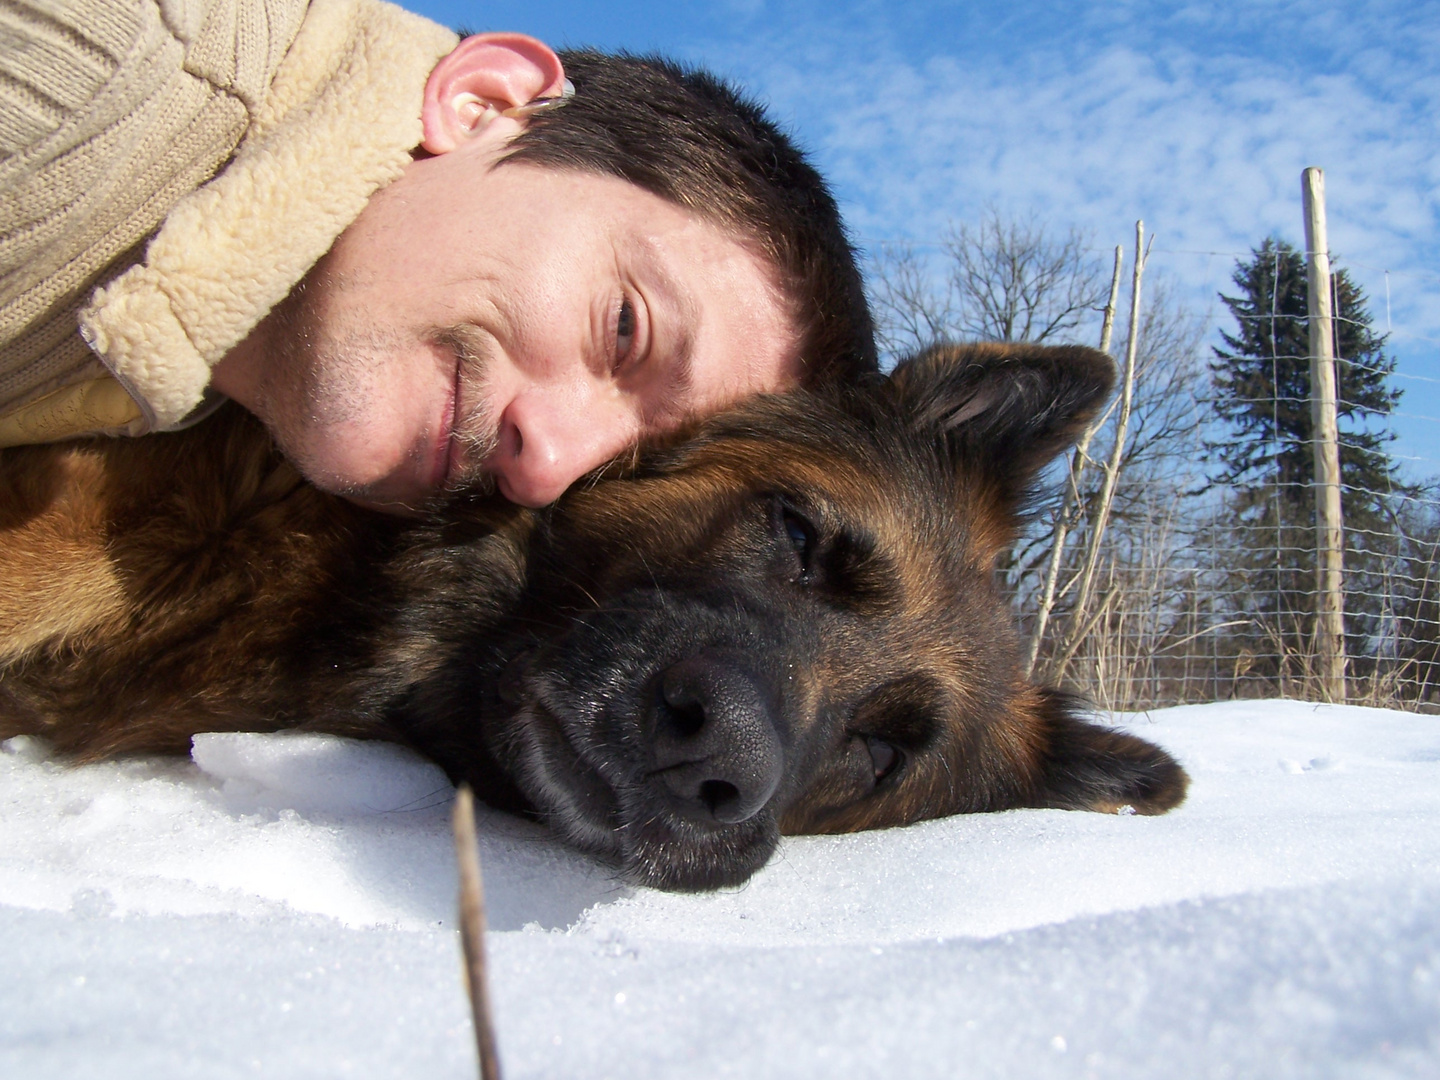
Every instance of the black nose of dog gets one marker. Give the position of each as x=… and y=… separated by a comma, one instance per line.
x=716, y=751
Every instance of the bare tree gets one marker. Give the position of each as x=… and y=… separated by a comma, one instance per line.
x=1053, y=290
x=1015, y=283
x=999, y=280
x=1165, y=442
x=910, y=311
x=1166, y=436
x=1019, y=281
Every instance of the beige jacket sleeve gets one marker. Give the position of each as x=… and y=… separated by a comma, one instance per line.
x=240, y=137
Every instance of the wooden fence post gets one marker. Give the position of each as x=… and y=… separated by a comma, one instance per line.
x=1329, y=526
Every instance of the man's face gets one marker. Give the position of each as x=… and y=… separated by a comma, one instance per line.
x=515, y=323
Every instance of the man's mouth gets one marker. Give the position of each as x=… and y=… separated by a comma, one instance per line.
x=453, y=465
x=468, y=435
x=441, y=456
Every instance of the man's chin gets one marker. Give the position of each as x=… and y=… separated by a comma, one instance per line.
x=419, y=505
x=396, y=507
x=388, y=496
x=405, y=489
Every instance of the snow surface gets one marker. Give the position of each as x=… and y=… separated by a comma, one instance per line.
x=282, y=906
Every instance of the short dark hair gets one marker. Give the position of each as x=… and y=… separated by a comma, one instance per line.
x=693, y=139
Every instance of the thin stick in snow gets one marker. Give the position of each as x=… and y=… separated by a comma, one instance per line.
x=472, y=931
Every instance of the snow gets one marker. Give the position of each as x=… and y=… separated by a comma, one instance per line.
x=282, y=906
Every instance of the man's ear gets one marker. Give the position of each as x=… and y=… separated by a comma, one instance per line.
x=1003, y=410
x=482, y=77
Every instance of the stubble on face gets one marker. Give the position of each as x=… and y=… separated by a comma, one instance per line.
x=326, y=386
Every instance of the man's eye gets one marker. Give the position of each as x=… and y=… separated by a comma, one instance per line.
x=624, y=331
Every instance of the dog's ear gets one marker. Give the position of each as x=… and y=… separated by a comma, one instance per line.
x=1006, y=410
x=1088, y=767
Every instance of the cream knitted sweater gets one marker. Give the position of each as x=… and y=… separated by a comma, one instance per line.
x=192, y=158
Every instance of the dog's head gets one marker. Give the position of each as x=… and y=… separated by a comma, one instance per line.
x=789, y=623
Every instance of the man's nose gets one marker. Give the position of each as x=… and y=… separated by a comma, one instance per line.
x=547, y=441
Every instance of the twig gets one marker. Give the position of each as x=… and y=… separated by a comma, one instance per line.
x=1072, y=493
x=1188, y=638
x=1117, y=454
x=1072, y=646
x=472, y=931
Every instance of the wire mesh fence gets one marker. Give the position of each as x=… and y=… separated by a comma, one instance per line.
x=1182, y=565
x=1203, y=587
x=1195, y=603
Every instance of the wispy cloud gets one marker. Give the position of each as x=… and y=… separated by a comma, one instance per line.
x=1197, y=119
x=1210, y=144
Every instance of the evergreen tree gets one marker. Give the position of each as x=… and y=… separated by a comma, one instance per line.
x=1262, y=378
x=1262, y=383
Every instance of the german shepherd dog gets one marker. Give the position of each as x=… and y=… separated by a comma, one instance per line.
x=785, y=622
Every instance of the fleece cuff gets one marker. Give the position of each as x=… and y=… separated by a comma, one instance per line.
x=339, y=123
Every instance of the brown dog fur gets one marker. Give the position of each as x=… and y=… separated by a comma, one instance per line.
x=785, y=622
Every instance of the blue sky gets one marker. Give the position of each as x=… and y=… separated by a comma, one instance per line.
x=1197, y=118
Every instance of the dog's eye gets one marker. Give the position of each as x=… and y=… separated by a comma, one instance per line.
x=800, y=534
x=798, y=530
x=884, y=757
